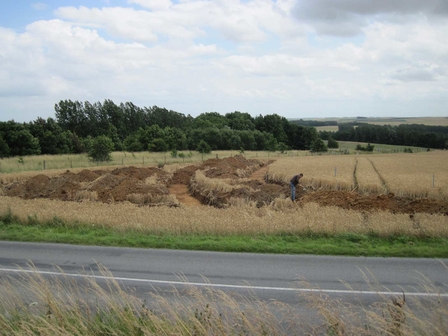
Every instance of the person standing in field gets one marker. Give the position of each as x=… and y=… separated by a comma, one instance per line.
x=295, y=181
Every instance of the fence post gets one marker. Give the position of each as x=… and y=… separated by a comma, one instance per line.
x=335, y=171
x=122, y=161
x=433, y=180
x=44, y=164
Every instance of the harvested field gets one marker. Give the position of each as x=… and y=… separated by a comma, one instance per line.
x=216, y=182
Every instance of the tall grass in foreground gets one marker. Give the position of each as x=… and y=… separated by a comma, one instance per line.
x=243, y=220
x=36, y=305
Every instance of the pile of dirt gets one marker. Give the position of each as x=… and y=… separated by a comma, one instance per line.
x=152, y=183
x=109, y=186
x=183, y=175
x=233, y=167
x=390, y=202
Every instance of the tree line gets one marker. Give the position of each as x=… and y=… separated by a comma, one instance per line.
x=403, y=135
x=131, y=128
x=77, y=125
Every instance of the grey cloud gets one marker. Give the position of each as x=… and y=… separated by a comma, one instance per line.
x=347, y=17
x=416, y=75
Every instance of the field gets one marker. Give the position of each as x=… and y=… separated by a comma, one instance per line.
x=53, y=163
x=381, y=194
x=430, y=121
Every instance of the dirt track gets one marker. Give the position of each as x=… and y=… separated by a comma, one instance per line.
x=147, y=186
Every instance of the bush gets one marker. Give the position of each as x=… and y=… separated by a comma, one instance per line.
x=318, y=145
x=332, y=143
x=101, y=149
x=368, y=148
x=204, y=147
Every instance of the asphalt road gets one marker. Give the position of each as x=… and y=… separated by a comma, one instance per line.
x=270, y=276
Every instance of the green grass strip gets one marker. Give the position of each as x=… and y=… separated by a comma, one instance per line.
x=343, y=244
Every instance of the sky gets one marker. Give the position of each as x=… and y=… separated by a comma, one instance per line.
x=295, y=58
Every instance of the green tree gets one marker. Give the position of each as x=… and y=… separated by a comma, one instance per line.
x=332, y=143
x=4, y=148
x=101, y=150
x=158, y=145
x=203, y=147
x=282, y=147
x=132, y=144
x=318, y=145
x=19, y=139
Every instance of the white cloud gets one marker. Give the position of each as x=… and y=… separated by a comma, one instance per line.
x=39, y=6
x=195, y=56
x=347, y=17
x=153, y=4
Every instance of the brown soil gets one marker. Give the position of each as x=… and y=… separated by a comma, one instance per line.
x=119, y=184
x=183, y=195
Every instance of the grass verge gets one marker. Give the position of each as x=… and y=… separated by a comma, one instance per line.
x=58, y=231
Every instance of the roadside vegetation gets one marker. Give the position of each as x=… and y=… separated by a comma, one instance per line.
x=33, y=304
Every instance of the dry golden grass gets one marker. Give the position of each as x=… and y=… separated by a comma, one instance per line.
x=33, y=304
x=203, y=184
x=367, y=178
x=245, y=219
x=154, y=200
x=320, y=172
x=57, y=305
x=412, y=174
x=408, y=175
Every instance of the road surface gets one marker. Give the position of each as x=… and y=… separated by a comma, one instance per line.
x=270, y=276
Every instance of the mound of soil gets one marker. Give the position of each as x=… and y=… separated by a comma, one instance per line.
x=124, y=183
x=390, y=202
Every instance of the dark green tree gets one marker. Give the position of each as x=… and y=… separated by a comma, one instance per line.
x=4, y=148
x=203, y=147
x=133, y=144
x=282, y=147
x=158, y=145
x=318, y=146
x=101, y=150
x=332, y=143
x=19, y=139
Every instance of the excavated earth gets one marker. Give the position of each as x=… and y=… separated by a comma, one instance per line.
x=123, y=184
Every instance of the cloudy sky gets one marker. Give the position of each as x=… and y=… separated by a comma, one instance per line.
x=296, y=58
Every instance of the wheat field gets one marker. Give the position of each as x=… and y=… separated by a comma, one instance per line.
x=422, y=174
x=279, y=218
x=403, y=174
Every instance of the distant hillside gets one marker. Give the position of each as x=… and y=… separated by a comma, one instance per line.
x=321, y=122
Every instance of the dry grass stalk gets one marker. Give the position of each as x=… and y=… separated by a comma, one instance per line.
x=149, y=199
x=202, y=182
x=389, y=315
x=85, y=195
x=245, y=220
x=57, y=305
x=152, y=180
